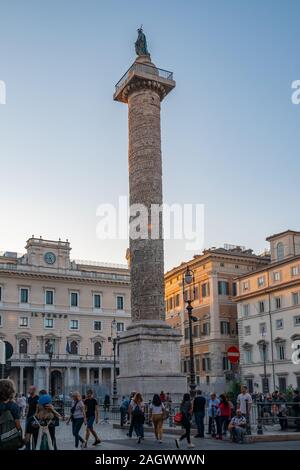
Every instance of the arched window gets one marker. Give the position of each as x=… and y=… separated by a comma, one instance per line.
x=23, y=346
x=280, y=251
x=97, y=349
x=74, y=347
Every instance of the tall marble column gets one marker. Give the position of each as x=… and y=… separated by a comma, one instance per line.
x=149, y=349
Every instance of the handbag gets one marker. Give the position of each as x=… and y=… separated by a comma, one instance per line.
x=73, y=411
x=178, y=418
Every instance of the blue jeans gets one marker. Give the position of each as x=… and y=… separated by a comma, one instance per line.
x=76, y=426
x=138, y=428
x=199, y=419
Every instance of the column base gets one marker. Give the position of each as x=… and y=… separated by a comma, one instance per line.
x=149, y=355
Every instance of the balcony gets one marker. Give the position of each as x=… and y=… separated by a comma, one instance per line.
x=144, y=72
x=59, y=359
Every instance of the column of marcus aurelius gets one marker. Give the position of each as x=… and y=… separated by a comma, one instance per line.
x=149, y=351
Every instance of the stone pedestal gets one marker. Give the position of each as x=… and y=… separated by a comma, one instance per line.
x=149, y=355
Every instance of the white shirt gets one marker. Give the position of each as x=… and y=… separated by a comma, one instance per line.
x=242, y=399
x=157, y=410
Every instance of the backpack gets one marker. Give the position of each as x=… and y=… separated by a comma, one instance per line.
x=10, y=436
x=138, y=414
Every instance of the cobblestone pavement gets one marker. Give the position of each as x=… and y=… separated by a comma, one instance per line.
x=116, y=439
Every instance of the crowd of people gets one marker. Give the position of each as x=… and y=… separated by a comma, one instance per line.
x=225, y=415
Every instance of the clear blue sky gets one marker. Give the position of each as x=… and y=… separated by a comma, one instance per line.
x=230, y=132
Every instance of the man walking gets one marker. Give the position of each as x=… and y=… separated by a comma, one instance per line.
x=32, y=401
x=244, y=402
x=92, y=415
x=199, y=412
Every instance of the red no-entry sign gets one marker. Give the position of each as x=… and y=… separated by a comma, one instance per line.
x=233, y=354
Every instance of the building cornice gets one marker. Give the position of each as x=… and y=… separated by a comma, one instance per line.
x=60, y=277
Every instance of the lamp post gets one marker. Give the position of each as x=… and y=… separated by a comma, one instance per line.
x=264, y=348
x=114, y=340
x=188, y=279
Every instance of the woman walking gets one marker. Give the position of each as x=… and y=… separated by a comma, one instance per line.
x=137, y=412
x=157, y=410
x=186, y=409
x=77, y=418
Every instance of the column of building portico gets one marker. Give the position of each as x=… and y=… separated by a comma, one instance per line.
x=100, y=375
x=21, y=387
x=77, y=376
x=47, y=378
x=88, y=378
x=217, y=374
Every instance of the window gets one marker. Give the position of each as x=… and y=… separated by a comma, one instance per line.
x=295, y=270
x=23, y=346
x=170, y=304
x=48, y=323
x=263, y=352
x=279, y=324
x=23, y=321
x=74, y=299
x=177, y=300
x=297, y=320
x=276, y=276
x=249, y=383
x=280, y=251
x=206, y=329
x=74, y=324
x=97, y=325
x=0, y=294
x=206, y=365
x=1, y=320
x=245, y=285
x=205, y=289
x=197, y=363
x=262, y=328
x=247, y=330
x=225, y=327
x=226, y=363
x=246, y=310
x=223, y=288
x=74, y=347
x=24, y=296
x=234, y=290
x=248, y=356
x=120, y=327
x=120, y=302
x=277, y=302
x=49, y=297
x=97, y=348
x=282, y=384
x=298, y=382
x=260, y=281
x=196, y=293
x=280, y=351
x=196, y=331
x=295, y=298
x=261, y=306
x=97, y=301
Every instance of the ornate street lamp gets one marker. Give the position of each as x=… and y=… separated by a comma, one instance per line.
x=114, y=339
x=188, y=289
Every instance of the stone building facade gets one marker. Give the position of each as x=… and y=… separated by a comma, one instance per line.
x=72, y=307
x=269, y=317
x=215, y=309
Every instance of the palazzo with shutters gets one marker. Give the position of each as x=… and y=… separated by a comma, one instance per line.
x=215, y=330
x=269, y=318
x=60, y=317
